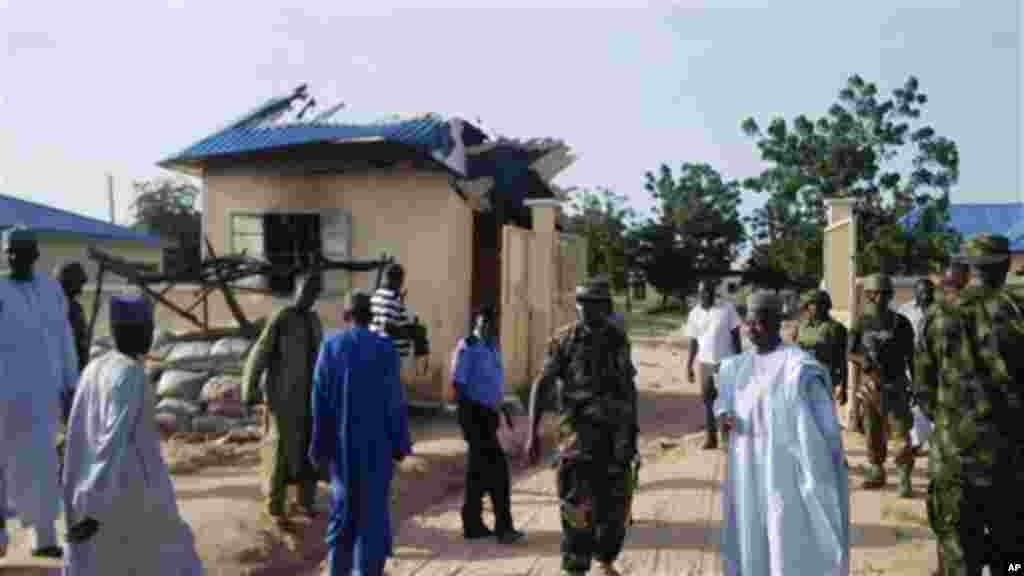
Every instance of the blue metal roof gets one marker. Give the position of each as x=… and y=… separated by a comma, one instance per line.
x=429, y=133
x=41, y=218
x=998, y=218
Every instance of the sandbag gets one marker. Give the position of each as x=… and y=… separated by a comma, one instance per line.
x=178, y=406
x=211, y=424
x=162, y=343
x=181, y=384
x=222, y=388
x=230, y=347
x=169, y=423
x=189, y=350
x=226, y=408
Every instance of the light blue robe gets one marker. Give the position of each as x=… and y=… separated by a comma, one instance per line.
x=359, y=425
x=785, y=497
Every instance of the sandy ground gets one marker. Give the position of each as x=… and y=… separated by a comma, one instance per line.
x=677, y=512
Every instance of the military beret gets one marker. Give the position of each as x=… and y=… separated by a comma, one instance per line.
x=764, y=301
x=596, y=290
x=984, y=249
x=358, y=301
x=18, y=234
x=878, y=283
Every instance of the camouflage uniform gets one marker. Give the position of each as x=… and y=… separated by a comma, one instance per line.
x=886, y=340
x=824, y=339
x=596, y=401
x=966, y=368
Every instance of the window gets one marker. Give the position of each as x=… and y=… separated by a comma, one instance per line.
x=290, y=240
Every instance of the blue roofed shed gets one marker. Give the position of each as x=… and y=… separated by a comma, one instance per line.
x=436, y=192
x=65, y=236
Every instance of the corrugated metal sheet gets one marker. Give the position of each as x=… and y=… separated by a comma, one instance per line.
x=428, y=132
x=974, y=218
x=41, y=218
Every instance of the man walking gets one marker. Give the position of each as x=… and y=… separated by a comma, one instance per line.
x=588, y=377
x=42, y=368
x=785, y=499
x=882, y=344
x=479, y=381
x=72, y=278
x=823, y=337
x=360, y=429
x=287, y=351
x=713, y=330
x=118, y=494
x=968, y=366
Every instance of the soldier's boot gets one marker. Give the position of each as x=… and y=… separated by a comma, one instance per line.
x=874, y=478
x=711, y=440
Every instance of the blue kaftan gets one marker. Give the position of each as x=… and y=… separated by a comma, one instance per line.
x=360, y=426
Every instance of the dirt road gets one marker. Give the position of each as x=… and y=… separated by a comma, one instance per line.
x=677, y=513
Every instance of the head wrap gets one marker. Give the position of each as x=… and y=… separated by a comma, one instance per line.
x=130, y=309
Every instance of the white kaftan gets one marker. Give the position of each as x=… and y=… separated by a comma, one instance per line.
x=40, y=364
x=785, y=497
x=115, y=474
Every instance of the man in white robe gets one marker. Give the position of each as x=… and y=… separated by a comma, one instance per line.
x=785, y=497
x=121, y=509
x=42, y=366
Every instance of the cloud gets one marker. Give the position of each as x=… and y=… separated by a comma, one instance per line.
x=363, y=61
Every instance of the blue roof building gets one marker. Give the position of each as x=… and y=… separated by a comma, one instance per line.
x=48, y=220
x=974, y=218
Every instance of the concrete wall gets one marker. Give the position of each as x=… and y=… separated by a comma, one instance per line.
x=412, y=215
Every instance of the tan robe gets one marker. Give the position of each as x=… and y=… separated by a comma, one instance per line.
x=287, y=350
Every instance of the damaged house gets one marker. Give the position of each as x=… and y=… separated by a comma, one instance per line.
x=474, y=219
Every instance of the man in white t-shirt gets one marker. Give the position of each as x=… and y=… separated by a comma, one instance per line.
x=713, y=330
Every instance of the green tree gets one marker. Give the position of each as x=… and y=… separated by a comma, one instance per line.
x=602, y=217
x=696, y=226
x=168, y=208
x=873, y=149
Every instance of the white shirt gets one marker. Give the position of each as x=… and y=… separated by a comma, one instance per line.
x=913, y=313
x=712, y=329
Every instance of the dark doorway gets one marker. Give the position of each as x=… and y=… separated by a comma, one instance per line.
x=486, y=288
x=289, y=241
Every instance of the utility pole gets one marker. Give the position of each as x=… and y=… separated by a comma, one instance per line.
x=110, y=198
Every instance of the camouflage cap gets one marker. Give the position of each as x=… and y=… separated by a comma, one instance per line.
x=984, y=249
x=878, y=283
x=595, y=290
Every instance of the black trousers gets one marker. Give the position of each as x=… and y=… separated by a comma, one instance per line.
x=487, y=469
x=710, y=393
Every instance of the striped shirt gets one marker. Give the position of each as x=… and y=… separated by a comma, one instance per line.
x=388, y=314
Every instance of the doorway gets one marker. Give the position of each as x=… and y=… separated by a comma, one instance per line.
x=486, y=289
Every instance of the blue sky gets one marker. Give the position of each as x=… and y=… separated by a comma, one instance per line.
x=87, y=88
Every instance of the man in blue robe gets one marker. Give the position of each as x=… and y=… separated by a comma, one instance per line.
x=785, y=497
x=360, y=428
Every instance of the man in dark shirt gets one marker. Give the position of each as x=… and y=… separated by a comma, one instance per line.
x=479, y=381
x=72, y=278
x=881, y=342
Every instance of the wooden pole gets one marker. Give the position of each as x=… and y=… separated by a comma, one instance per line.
x=97, y=295
x=229, y=296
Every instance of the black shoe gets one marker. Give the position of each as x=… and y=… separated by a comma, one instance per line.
x=49, y=552
x=477, y=533
x=510, y=537
x=711, y=442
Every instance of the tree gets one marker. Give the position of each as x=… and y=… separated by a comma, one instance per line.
x=696, y=228
x=602, y=217
x=860, y=149
x=168, y=208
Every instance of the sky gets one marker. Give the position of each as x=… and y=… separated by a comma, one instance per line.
x=97, y=87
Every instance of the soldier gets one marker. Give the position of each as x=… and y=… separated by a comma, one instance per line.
x=966, y=371
x=589, y=377
x=882, y=343
x=825, y=339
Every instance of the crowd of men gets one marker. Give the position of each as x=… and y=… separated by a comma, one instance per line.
x=336, y=411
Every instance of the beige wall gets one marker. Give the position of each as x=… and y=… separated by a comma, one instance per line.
x=413, y=216
x=54, y=251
